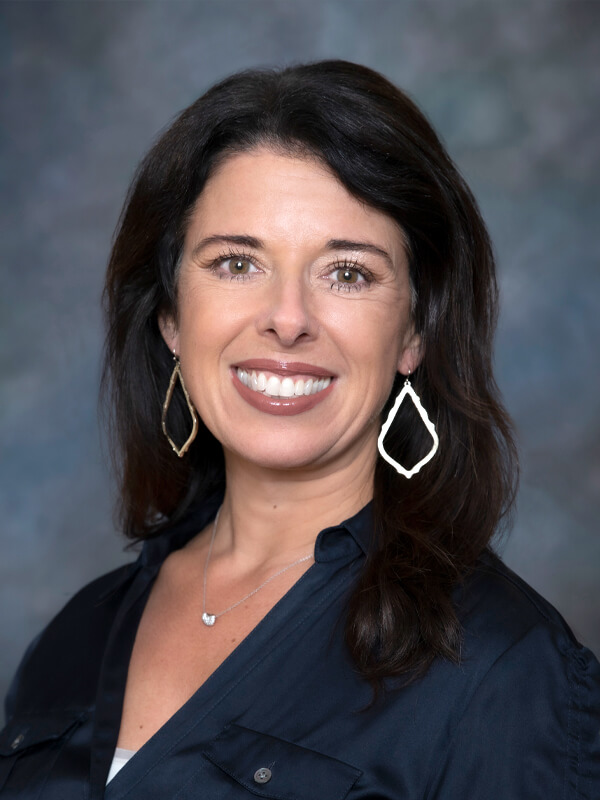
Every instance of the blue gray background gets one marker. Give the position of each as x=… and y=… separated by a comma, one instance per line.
x=513, y=89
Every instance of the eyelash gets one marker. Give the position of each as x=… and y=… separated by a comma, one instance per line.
x=216, y=264
x=354, y=267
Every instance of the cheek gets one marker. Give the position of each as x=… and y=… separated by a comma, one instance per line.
x=370, y=335
x=206, y=321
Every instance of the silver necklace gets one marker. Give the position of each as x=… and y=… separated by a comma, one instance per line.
x=210, y=619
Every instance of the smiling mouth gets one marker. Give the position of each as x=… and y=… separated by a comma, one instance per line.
x=270, y=385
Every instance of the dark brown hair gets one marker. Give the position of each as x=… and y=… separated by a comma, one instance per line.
x=429, y=530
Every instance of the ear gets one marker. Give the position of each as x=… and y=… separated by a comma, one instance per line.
x=411, y=355
x=169, y=332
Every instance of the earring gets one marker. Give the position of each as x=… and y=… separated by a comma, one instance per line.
x=181, y=451
x=407, y=390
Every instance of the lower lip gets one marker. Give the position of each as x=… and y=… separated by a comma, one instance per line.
x=280, y=406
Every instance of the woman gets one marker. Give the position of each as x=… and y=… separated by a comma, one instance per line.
x=315, y=612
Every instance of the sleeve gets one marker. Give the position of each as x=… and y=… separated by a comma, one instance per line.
x=531, y=729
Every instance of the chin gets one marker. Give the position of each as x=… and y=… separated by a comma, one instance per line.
x=284, y=458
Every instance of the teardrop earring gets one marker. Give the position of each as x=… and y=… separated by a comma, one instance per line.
x=176, y=374
x=407, y=390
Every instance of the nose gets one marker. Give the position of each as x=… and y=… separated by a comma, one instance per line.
x=289, y=314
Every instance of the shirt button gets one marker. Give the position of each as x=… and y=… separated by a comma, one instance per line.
x=262, y=775
x=16, y=741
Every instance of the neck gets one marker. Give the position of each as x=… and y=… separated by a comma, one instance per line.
x=275, y=515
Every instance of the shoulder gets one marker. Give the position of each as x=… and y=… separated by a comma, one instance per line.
x=60, y=666
x=499, y=611
x=528, y=715
x=513, y=636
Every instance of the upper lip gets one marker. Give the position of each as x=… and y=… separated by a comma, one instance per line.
x=283, y=367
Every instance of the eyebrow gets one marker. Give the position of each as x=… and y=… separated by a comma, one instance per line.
x=361, y=247
x=257, y=244
x=241, y=241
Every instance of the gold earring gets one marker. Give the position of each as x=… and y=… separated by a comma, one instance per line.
x=181, y=451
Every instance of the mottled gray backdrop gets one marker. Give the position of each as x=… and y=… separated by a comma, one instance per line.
x=513, y=88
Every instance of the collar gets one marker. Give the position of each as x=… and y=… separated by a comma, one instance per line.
x=350, y=537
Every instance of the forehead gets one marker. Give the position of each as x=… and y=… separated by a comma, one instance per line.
x=277, y=196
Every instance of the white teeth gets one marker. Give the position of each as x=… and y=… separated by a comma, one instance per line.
x=287, y=388
x=273, y=386
x=281, y=387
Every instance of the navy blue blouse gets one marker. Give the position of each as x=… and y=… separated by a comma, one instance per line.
x=287, y=717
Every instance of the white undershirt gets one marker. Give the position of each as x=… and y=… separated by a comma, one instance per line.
x=120, y=758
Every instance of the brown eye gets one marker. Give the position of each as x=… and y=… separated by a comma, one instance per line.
x=239, y=266
x=347, y=275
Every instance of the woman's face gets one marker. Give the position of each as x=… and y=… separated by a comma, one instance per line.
x=293, y=313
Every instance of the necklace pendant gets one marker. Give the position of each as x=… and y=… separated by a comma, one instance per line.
x=208, y=619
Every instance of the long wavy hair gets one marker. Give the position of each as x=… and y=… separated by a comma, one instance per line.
x=428, y=531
